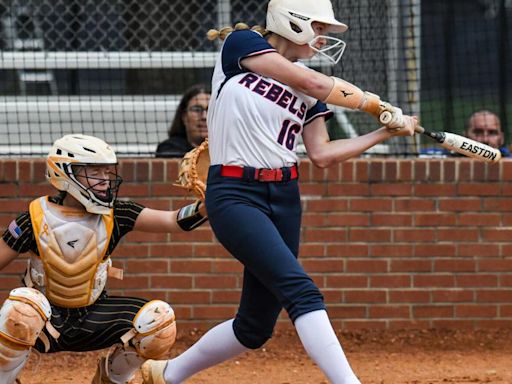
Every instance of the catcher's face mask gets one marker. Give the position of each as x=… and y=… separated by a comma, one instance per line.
x=100, y=182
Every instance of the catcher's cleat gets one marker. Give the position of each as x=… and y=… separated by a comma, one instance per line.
x=100, y=376
x=153, y=372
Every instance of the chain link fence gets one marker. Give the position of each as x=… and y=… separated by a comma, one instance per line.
x=116, y=69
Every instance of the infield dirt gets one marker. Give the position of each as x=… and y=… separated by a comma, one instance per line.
x=378, y=357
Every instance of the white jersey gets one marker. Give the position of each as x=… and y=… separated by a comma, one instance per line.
x=254, y=120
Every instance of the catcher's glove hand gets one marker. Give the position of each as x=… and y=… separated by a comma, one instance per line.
x=193, y=170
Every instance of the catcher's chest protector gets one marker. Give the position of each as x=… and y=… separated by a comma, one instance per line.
x=70, y=270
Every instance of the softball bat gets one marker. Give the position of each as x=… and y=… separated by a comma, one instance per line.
x=454, y=142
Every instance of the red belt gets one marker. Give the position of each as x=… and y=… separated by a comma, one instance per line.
x=263, y=174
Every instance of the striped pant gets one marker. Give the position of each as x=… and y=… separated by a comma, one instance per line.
x=94, y=327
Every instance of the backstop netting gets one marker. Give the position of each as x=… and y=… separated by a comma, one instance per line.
x=117, y=69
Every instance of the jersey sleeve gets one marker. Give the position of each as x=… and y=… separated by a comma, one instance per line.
x=239, y=45
x=125, y=215
x=318, y=110
x=19, y=235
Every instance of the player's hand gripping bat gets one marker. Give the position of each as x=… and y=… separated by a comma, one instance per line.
x=457, y=143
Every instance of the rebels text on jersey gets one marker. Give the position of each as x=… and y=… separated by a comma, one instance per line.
x=255, y=120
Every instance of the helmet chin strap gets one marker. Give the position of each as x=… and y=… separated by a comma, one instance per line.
x=331, y=51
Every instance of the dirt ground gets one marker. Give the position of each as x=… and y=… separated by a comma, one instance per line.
x=378, y=357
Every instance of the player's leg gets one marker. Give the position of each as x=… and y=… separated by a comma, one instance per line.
x=313, y=325
x=323, y=347
x=22, y=318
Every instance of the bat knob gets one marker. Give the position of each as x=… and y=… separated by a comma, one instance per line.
x=385, y=117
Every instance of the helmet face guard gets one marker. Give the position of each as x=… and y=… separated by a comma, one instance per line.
x=332, y=50
x=85, y=167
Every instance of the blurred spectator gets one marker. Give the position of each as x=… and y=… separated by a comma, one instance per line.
x=188, y=128
x=485, y=126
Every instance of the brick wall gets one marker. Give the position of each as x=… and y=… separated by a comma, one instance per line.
x=392, y=243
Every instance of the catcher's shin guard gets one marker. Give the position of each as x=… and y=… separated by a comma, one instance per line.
x=118, y=367
x=153, y=372
x=22, y=319
x=101, y=375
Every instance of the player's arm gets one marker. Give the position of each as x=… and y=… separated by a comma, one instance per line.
x=7, y=254
x=186, y=218
x=323, y=151
x=312, y=83
x=330, y=90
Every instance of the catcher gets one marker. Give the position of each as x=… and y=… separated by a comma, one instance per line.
x=70, y=237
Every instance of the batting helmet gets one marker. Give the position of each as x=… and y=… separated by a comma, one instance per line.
x=292, y=18
x=76, y=152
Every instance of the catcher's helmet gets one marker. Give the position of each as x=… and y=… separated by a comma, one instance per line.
x=74, y=153
x=292, y=20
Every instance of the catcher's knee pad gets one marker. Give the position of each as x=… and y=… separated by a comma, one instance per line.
x=22, y=319
x=154, y=330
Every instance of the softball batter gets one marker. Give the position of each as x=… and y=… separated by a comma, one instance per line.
x=263, y=99
x=70, y=238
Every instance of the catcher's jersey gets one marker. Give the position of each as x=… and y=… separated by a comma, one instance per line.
x=254, y=120
x=20, y=236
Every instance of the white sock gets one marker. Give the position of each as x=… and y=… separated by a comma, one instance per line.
x=323, y=347
x=217, y=345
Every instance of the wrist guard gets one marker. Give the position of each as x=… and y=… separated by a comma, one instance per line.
x=345, y=94
x=189, y=218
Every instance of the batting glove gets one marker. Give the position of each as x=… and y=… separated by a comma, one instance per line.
x=392, y=117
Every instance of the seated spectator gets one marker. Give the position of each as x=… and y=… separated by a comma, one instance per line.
x=485, y=126
x=188, y=128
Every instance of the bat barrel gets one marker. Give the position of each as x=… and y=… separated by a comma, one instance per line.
x=471, y=148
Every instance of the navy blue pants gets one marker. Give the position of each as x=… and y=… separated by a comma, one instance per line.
x=259, y=224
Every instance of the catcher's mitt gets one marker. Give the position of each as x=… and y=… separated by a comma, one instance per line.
x=193, y=170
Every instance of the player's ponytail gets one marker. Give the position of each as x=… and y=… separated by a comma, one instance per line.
x=222, y=33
